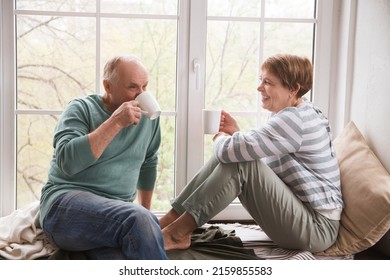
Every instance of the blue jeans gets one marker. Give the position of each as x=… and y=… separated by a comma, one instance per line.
x=104, y=228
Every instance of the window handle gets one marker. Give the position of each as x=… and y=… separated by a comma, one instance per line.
x=196, y=68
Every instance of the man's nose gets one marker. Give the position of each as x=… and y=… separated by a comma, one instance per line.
x=139, y=92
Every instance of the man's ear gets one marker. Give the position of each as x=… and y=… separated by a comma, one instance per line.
x=107, y=86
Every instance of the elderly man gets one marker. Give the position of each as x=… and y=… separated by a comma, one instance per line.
x=105, y=153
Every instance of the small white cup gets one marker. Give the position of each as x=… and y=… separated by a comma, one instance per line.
x=210, y=121
x=148, y=105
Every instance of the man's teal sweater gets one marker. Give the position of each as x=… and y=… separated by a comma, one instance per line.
x=129, y=161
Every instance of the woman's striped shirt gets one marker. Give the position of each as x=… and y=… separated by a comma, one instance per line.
x=296, y=144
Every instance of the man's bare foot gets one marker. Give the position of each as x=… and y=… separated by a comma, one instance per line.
x=172, y=241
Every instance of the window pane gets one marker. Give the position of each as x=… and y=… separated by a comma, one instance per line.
x=234, y=8
x=154, y=41
x=235, y=48
x=231, y=65
x=163, y=7
x=164, y=190
x=56, y=60
x=34, y=152
x=289, y=9
x=57, y=5
x=293, y=38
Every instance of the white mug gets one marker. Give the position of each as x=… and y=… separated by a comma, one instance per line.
x=148, y=105
x=210, y=121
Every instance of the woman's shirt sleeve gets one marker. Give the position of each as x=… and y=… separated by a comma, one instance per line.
x=281, y=135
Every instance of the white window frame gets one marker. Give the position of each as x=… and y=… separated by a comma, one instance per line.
x=191, y=42
x=7, y=110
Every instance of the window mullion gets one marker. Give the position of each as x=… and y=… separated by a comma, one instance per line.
x=196, y=89
x=7, y=110
x=182, y=66
x=98, y=48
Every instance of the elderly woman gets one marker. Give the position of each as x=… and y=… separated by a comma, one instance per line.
x=285, y=173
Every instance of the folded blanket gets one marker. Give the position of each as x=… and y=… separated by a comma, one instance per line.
x=21, y=237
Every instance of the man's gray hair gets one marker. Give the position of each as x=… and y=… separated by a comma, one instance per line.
x=110, y=67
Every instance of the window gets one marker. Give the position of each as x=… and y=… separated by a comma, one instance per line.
x=239, y=36
x=200, y=54
x=61, y=48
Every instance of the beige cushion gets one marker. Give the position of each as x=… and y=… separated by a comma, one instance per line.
x=365, y=185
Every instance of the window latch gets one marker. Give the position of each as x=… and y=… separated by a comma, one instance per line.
x=196, y=68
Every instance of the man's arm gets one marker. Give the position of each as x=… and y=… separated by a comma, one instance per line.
x=101, y=137
x=145, y=198
x=127, y=114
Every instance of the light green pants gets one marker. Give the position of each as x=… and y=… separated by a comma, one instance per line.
x=288, y=221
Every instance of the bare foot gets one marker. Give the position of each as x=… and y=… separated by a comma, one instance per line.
x=168, y=218
x=172, y=241
x=177, y=235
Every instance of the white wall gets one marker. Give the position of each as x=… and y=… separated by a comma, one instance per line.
x=361, y=77
x=370, y=103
